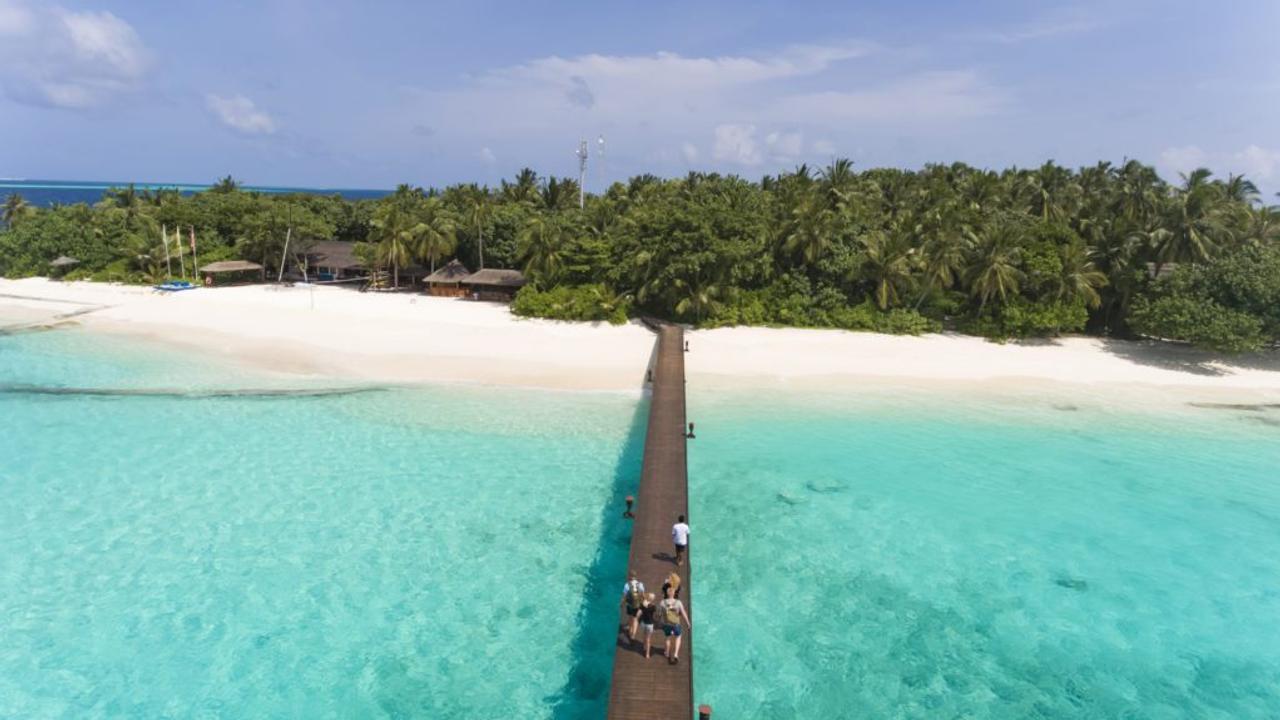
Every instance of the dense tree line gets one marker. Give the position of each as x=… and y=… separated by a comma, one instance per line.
x=1024, y=252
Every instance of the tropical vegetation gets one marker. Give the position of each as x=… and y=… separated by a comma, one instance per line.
x=1106, y=249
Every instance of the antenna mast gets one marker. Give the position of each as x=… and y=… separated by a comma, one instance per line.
x=582, y=173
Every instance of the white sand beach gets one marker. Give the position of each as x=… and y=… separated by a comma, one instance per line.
x=341, y=333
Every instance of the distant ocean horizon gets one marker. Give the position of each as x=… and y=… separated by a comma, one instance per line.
x=44, y=193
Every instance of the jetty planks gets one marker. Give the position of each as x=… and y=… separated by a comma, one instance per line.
x=652, y=689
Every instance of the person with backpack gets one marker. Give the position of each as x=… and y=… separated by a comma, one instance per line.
x=671, y=612
x=648, y=617
x=632, y=597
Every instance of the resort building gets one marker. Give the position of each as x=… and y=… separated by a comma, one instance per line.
x=448, y=280
x=334, y=260
x=495, y=285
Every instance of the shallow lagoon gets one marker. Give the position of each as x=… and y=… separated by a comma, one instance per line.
x=923, y=555
x=429, y=552
x=454, y=551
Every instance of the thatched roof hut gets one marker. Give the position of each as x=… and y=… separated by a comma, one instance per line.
x=491, y=277
x=447, y=281
x=229, y=266
x=63, y=262
x=493, y=284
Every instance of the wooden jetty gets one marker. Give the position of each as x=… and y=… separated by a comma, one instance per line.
x=652, y=689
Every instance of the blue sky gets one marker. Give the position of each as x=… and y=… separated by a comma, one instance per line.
x=372, y=94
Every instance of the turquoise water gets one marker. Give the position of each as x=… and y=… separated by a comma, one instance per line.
x=950, y=558
x=427, y=553
x=455, y=552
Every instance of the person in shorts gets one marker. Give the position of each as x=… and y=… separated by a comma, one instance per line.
x=648, y=616
x=670, y=613
x=632, y=597
x=680, y=538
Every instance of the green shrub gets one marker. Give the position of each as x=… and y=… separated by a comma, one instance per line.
x=1199, y=321
x=584, y=303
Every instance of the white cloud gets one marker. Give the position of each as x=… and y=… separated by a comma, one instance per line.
x=1183, y=159
x=735, y=143
x=824, y=147
x=754, y=110
x=487, y=157
x=1067, y=21
x=1258, y=163
x=784, y=147
x=240, y=114
x=1254, y=162
x=689, y=151
x=924, y=98
x=60, y=58
x=15, y=19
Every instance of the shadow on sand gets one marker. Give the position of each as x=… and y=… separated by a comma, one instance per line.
x=586, y=692
x=1182, y=358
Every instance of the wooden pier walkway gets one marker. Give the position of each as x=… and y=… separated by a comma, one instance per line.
x=652, y=689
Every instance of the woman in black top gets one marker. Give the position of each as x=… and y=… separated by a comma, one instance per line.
x=648, y=615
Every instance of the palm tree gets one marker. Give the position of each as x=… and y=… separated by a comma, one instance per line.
x=437, y=237
x=16, y=209
x=837, y=180
x=699, y=295
x=227, y=184
x=126, y=199
x=479, y=210
x=993, y=270
x=1240, y=189
x=942, y=256
x=1196, y=223
x=811, y=232
x=542, y=244
x=523, y=190
x=559, y=194
x=397, y=229
x=888, y=265
x=1080, y=278
x=1052, y=191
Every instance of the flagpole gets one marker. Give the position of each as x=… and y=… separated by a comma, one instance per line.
x=168, y=263
x=177, y=240
x=195, y=263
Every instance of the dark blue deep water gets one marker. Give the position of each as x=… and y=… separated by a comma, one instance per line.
x=44, y=193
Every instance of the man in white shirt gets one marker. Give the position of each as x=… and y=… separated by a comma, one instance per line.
x=680, y=537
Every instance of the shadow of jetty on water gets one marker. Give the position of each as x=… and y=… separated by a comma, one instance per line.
x=586, y=692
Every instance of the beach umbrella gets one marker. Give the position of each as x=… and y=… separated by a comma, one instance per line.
x=64, y=262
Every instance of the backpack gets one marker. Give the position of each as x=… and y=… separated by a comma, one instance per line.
x=671, y=612
x=634, y=594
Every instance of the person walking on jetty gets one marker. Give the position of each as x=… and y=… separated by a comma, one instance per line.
x=680, y=538
x=671, y=612
x=632, y=598
x=648, y=616
x=673, y=583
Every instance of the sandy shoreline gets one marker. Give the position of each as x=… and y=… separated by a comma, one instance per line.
x=409, y=338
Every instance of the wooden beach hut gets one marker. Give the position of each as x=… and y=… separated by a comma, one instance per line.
x=62, y=265
x=226, y=272
x=493, y=284
x=447, y=281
